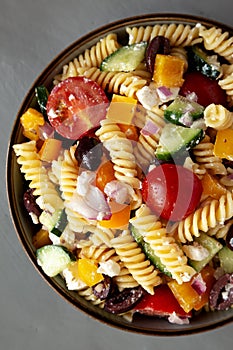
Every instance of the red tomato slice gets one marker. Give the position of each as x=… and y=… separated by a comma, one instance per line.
x=75, y=106
x=207, y=90
x=171, y=191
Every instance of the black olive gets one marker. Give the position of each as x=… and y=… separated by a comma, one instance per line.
x=103, y=289
x=229, y=238
x=30, y=204
x=216, y=299
x=124, y=301
x=89, y=153
x=158, y=44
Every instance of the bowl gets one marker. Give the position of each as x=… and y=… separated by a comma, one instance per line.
x=24, y=227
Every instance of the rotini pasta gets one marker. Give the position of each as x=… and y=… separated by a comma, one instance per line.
x=204, y=155
x=218, y=41
x=114, y=82
x=140, y=268
x=179, y=35
x=164, y=246
x=218, y=117
x=206, y=217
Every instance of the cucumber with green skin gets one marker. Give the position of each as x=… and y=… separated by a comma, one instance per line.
x=56, y=222
x=53, y=259
x=125, y=59
x=212, y=246
x=183, y=112
x=200, y=61
x=42, y=98
x=176, y=139
x=226, y=259
x=146, y=248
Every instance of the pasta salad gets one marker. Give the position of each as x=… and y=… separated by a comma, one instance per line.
x=128, y=162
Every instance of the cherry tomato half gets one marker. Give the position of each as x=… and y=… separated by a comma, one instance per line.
x=75, y=106
x=207, y=90
x=171, y=191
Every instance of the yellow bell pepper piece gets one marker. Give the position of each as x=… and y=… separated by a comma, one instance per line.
x=121, y=109
x=186, y=296
x=168, y=71
x=211, y=187
x=41, y=239
x=223, y=146
x=30, y=121
x=120, y=216
x=50, y=150
x=87, y=271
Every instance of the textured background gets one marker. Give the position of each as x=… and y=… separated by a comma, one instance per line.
x=32, y=33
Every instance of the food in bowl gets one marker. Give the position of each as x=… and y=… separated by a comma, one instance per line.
x=128, y=165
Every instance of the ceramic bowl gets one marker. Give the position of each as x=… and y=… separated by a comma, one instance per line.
x=15, y=188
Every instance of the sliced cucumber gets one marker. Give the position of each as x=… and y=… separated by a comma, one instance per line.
x=146, y=248
x=200, y=61
x=56, y=222
x=125, y=59
x=183, y=112
x=226, y=259
x=42, y=98
x=213, y=247
x=176, y=138
x=53, y=259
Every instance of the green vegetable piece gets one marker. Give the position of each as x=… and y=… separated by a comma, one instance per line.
x=125, y=59
x=146, y=248
x=176, y=139
x=53, y=259
x=55, y=223
x=226, y=259
x=42, y=98
x=200, y=61
x=183, y=112
x=213, y=247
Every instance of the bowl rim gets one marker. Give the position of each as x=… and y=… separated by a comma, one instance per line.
x=27, y=100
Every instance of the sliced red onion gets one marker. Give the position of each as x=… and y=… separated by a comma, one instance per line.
x=186, y=119
x=84, y=181
x=46, y=131
x=119, y=192
x=199, y=284
x=166, y=94
x=149, y=128
x=192, y=97
x=230, y=176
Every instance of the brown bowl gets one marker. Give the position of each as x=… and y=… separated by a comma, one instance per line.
x=15, y=188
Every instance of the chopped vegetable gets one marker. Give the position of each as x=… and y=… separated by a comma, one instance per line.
x=211, y=186
x=168, y=71
x=125, y=59
x=176, y=139
x=42, y=98
x=162, y=303
x=226, y=259
x=50, y=150
x=120, y=216
x=223, y=146
x=87, y=271
x=183, y=111
x=41, y=238
x=53, y=259
x=30, y=121
x=200, y=61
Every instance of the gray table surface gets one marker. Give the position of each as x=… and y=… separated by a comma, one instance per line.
x=32, y=33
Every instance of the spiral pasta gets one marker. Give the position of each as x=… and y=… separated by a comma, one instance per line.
x=99, y=254
x=121, y=153
x=164, y=246
x=69, y=174
x=31, y=166
x=206, y=217
x=218, y=41
x=204, y=155
x=125, y=279
x=122, y=83
x=220, y=230
x=226, y=82
x=218, y=117
x=91, y=58
x=134, y=259
x=227, y=180
x=179, y=35
x=179, y=51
